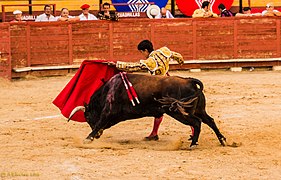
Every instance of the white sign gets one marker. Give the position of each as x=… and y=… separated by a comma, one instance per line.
x=29, y=18
x=136, y=6
x=128, y=14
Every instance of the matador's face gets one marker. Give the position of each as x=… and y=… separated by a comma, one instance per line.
x=145, y=53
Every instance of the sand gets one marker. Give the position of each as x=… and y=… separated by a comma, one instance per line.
x=38, y=143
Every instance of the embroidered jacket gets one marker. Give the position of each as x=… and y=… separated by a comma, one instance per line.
x=158, y=60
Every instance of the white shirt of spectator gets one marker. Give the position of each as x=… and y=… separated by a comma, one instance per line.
x=70, y=17
x=90, y=17
x=168, y=15
x=44, y=18
x=265, y=11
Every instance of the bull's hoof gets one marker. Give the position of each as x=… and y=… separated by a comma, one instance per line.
x=88, y=140
x=151, y=138
x=193, y=146
x=99, y=134
x=223, y=141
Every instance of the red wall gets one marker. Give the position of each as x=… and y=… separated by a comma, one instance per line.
x=60, y=43
x=5, y=54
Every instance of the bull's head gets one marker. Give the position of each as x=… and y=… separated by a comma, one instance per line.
x=89, y=118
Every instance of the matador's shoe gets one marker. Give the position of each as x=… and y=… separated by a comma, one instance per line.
x=151, y=138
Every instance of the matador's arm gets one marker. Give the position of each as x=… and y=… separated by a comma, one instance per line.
x=177, y=57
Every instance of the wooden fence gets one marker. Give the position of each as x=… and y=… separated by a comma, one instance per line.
x=220, y=40
x=5, y=53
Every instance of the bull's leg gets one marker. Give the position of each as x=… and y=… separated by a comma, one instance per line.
x=101, y=124
x=190, y=120
x=99, y=132
x=196, y=124
x=90, y=137
x=211, y=123
x=96, y=133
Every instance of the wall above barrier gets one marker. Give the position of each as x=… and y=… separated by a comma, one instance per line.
x=65, y=44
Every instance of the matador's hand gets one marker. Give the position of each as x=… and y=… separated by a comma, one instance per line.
x=110, y=63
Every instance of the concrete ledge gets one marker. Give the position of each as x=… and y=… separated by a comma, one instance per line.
x=276, y=68
x=236, y=69
x=227, y=60
x=41, y=68
x=195, y=70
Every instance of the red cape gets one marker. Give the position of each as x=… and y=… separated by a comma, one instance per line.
x=80, y=88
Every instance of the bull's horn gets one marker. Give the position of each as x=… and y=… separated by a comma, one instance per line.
x=78, y=108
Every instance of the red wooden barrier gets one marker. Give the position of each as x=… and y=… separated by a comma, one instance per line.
x=5, y=51
x=62, y=43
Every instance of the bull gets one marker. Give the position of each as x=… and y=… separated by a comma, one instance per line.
x=181, y=98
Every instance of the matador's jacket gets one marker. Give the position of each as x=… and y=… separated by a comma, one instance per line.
x=158, y=61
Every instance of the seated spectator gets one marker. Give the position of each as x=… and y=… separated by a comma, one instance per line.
x=270, y=11
x=247, y=13
x=65, y=16
x=224, y=11
x=164, y=14
x=107, y=14
x=153, y=12
x=47, y=16
x=18, y=16
x=204, y=12
x=85, y=13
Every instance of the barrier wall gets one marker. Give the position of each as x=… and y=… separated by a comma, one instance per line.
x=5, y=51
x=64, y=43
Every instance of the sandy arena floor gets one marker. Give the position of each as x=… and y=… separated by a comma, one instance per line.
x=38, y=143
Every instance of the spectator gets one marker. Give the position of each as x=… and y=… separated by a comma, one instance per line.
x=247, y=13
x=204, y=12
x=18, y=16
x=164, y=14
x=85, y=13
x=270, y=11
x=47, y=16
x=224, y=11
x=153, y=12
x=107, y=14
x=65, y=16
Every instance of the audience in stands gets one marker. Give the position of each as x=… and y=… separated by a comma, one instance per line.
x=46, y=16
x=164, y=14
x=204, y=12
x=85, y=13
x=247, y=13
x=64, y=16
x=18, y=16
x=107, y=14
x=224, y=12
x=270, y=11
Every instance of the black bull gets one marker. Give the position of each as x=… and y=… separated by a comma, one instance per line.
x=180, y=98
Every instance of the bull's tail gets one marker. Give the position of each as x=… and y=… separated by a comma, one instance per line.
x=176, y=105
x=197, y=84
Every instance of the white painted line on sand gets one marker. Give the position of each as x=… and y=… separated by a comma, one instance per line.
x=46, y=117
